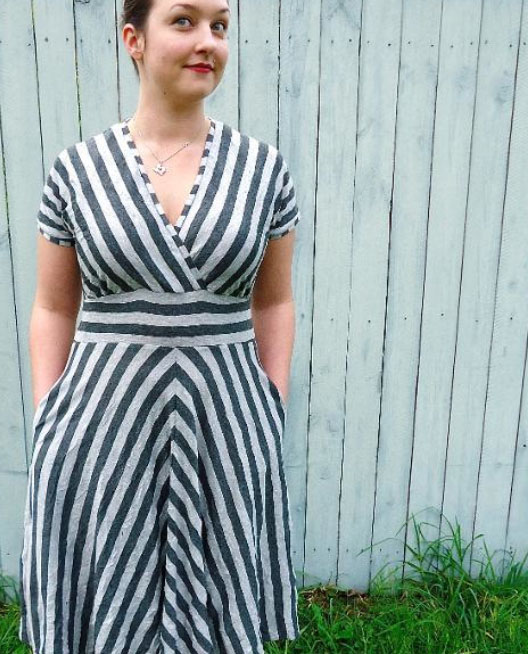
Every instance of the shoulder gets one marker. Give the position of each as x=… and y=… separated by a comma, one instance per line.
x=70, y=158
x=247, y=141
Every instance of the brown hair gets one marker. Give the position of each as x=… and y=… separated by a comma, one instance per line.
x=135, y=12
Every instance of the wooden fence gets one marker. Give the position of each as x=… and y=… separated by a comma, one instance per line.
x=405, y=126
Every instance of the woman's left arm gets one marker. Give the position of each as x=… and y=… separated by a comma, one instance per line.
x=273, y=310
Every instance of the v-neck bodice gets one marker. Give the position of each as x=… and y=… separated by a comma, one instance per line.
x=99, y=198
x=172, y=227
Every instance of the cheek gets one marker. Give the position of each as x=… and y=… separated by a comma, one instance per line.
x=169, y=50
x=220, y=55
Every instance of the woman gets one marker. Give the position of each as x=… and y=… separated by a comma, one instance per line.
x=157, y=515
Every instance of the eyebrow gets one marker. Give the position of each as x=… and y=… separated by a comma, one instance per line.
x=193, y=7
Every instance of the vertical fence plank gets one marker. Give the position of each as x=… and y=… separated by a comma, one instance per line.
x=333, y=511
x=299, y=26
x=381, y=475
x=507, y=360
x=97, y=64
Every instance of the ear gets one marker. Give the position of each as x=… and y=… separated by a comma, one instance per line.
x=134, y=41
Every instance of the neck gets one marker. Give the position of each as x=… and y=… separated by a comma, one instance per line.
x=160, y=126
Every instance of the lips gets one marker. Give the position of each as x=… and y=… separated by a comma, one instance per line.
x=201, y=66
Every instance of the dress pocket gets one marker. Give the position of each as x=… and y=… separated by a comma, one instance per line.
x=43, y=400
x=274, y=389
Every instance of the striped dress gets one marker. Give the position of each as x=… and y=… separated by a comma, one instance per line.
x=157, y=516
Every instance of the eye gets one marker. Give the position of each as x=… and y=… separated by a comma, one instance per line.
x=182, y=18
x=220, y=22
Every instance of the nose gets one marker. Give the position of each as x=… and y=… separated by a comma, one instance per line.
x=205, y=38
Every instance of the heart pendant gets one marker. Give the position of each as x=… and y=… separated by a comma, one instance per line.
x=160, y=169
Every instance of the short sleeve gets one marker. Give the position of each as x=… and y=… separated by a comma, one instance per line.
x=286, y=213
x=52, y=221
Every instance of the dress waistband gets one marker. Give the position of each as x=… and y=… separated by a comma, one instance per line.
x=174, y=319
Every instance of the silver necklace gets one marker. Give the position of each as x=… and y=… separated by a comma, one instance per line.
x=159, y=167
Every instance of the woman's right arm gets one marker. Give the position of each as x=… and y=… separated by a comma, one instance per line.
x=54, y=314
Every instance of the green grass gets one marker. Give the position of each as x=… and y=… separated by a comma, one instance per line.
x=437, y=608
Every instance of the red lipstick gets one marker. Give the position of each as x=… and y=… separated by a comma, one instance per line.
x=201, y=68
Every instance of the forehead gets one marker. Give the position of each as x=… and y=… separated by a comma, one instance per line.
x=200, y=6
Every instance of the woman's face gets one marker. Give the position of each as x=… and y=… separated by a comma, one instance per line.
x=179, y=35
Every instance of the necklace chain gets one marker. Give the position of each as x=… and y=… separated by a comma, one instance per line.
x=160, y=168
